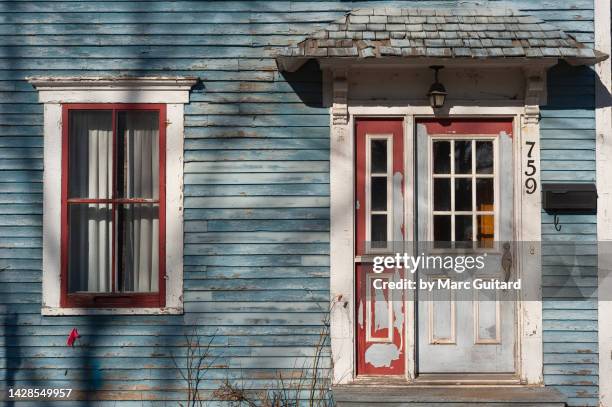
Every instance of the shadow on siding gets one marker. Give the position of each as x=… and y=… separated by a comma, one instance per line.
x=306, y=82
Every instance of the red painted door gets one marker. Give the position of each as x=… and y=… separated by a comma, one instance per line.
x=379, y=228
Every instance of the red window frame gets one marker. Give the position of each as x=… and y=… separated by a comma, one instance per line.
x=114, y=299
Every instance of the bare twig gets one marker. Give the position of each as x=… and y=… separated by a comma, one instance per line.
x=197, y=364
x=312, y=381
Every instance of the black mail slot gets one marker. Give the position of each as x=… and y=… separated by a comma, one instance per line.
x=569, y=197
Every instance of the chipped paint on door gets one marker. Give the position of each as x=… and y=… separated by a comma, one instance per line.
x=379, y=224
x=466, y=332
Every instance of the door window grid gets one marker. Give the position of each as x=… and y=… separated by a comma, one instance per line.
x=378, y=220
x=484, y=216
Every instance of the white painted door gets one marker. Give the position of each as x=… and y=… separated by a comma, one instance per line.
x=465, y=208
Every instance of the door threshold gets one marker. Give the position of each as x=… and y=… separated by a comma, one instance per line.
x=465, y=396
x=487, y=379
x=380, y=381
x=441, y=379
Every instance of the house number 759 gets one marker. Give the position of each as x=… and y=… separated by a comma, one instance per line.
x=530, y=183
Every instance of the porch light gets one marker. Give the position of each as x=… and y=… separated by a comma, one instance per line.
x=437, y=92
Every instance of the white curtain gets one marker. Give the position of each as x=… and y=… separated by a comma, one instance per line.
x=90, y=176
x=141, y=220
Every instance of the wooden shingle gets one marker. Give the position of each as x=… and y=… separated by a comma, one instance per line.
x=447, y=33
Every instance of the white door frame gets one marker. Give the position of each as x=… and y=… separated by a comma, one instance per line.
x=603, y=126
x=342, y=176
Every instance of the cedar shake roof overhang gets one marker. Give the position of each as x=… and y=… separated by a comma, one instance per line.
x=451, y=35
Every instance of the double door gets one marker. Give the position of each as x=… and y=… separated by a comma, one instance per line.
x=451, y=197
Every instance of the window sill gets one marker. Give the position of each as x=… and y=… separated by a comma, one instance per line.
x=57, y=311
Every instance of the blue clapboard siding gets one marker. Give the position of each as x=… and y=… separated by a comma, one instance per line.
x=570, y=320
x=256, y=192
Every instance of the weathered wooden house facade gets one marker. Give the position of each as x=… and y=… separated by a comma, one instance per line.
x=175, y=171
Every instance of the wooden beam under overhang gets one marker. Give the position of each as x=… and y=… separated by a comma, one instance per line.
x=292, y=64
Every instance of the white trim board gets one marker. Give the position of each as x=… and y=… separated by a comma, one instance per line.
x=113, y=90
x=53, y=97
x=342, y=176
x=603, y=126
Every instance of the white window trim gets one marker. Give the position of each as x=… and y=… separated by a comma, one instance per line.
x=342, y=175
x=53, y=92
x=368, y=194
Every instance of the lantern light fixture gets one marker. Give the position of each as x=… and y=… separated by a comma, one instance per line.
x=437, y=92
